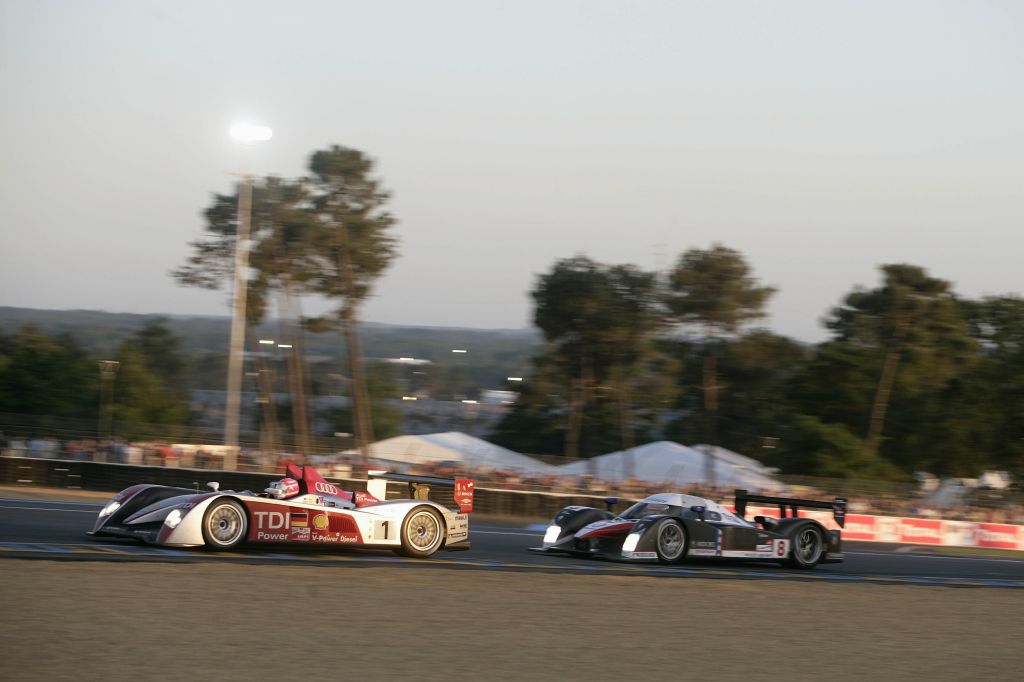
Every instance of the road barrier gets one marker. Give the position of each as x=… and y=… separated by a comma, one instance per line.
x=101, y=476
x=867, y=527
x=916, y=531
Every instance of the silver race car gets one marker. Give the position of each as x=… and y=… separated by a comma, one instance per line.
x=302, y=508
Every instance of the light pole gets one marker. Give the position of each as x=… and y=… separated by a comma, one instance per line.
x=108, y=374
x=246, y=134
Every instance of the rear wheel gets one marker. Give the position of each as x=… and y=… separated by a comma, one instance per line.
x=669, y=541
x=224, y=524
x=422, y=532
x=808, y=547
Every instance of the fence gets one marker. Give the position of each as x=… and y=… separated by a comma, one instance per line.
x=28, y=427
x=106, y=477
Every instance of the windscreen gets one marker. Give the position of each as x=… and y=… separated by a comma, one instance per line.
x=650, y=509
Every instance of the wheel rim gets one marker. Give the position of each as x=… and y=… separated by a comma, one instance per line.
x=808, y=546
x=225, y=524
x=422, y=531
x=670, y=540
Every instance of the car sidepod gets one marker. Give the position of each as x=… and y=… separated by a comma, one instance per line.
x=457, y=525
x=705, y=539
x=375, y=526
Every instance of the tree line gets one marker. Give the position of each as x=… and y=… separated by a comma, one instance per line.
x=145, y=388
x=55, y=376
x=912, y=376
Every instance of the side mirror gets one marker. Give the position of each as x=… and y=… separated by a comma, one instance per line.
x=698, y=509
x=213, y=485
x=610, y=502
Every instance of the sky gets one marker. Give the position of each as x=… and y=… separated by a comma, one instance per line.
x=819, y=139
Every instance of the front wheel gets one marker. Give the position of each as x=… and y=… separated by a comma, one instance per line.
x=808, y=548
x=669, y=541
x=422, y=532
x=224, y=524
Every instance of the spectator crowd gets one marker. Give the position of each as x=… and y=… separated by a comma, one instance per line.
x=1006, y=508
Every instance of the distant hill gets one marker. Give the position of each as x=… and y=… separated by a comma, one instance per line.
x=100, y=332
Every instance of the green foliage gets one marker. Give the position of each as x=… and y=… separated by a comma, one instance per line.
x=992, y=403
x=141, y=398
x=161, y=350
x=836, y=384
x=600, y=324
x=383, y=387
x=811, y=447
x=41, y=375
x=536, y=421
x=756, y=372
x=914, y=314
x=713, y=288
x=714, y=291
x=352, y=225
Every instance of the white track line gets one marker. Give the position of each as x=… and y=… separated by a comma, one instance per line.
x=937, y=556
x=66, y=511
x=30, y=501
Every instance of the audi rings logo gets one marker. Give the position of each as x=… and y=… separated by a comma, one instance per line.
x=326, y=488
x=320, y=522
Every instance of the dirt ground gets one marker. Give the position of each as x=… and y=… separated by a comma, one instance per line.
x=121, y=621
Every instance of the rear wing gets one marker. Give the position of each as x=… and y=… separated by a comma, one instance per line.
x=419, y=487
x=838, y=505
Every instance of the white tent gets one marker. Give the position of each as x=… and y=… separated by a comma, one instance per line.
x=454, y=446
x=736, y=460
x=676, y=465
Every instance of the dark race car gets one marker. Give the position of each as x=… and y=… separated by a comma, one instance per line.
x=669, y=527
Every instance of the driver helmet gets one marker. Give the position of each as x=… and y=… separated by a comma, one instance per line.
x=283, y=489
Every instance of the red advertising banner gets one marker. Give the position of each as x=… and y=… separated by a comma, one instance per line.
x=861, y=527
x=920, y=531
x=915, y=531
x=997, y=536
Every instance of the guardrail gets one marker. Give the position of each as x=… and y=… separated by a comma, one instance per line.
x=106, y=477
x=918, y=531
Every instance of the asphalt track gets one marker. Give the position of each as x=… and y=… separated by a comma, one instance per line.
x=50, y=529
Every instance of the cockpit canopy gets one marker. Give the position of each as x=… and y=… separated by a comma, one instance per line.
x=674, y=504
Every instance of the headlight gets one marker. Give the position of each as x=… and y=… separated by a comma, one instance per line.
x=630, y=544
x=110, y=508
x=173, y=519
x=551, y=536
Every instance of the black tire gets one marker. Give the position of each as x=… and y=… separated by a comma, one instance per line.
x=669, y=541
x=224, y=524
x=808, y=547
x=423, y=532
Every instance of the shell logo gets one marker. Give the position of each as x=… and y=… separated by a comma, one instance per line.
x=320, y=522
